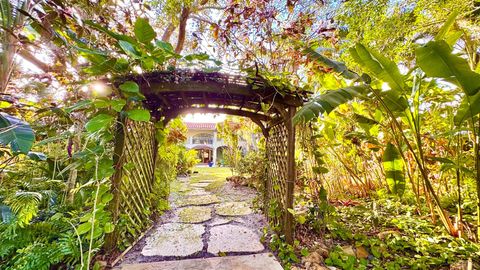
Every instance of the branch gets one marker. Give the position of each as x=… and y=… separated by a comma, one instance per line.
x=32, y=59
x=211, y=7
x=168, y=32
x=195, y=17
x=182, y=29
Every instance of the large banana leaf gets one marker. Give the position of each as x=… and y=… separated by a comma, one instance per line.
x=469, y=107
x=338, y=67
x=325, y=103
x=379, y=66
x=16, y=133
x=393, y=165
x=437, y=60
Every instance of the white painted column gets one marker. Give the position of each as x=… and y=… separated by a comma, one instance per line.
x=214, y=147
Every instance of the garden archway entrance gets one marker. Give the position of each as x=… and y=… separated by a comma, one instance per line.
x=170, y=94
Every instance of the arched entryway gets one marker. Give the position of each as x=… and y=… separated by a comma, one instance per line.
x=170, y=94
x=220, y=155
x=204, y=153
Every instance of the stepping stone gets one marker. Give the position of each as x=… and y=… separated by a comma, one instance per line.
x=200, y=184
x=198, y=200
x=197, y=192
x=233, y=209
x=219, y=221
x=206, y=181
x=263, y=261
x=175, y=239
x=195, y=214
x=233, y=238
x=239, y=220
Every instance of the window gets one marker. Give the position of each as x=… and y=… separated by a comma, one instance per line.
x=203, y=138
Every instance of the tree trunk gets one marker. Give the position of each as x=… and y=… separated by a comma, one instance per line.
x=168, y=32
x=182, y=29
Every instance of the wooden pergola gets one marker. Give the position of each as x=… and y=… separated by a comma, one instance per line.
x=169, y=94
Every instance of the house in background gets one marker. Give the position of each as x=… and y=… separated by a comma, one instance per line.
x=203, y=138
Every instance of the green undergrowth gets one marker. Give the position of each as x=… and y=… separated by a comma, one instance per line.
x=395, y=237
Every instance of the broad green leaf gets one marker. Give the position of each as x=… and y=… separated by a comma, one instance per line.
x=394, y=101
x=139, y=115
x=84, y=228
x=437, y=60
x=109, y=227
x=101, y=103
x=98, y=122
x=363, y=119
x=129, y=87
x=79, y=105
x=197, y=56
x=338, y=67
x=164, y=46
x=37, y=156
x=379, y=66
x=109, y=32
x=325, y=103
x=469, y=107
x=393, y=165
x=143, y=31
x=446, y=26
x=99, y=65
x=105, y=168
x=106, y=198
x=118, y=104
x=86, y=217
x=16, y=133
x=319, y=170
x=129, y=49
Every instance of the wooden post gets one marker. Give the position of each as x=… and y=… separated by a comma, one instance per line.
x=114, y=206
x=291, y=175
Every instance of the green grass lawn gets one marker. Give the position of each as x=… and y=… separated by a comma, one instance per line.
x=217, y=174
x=210, y=173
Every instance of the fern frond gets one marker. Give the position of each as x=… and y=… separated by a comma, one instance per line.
x=24, y=204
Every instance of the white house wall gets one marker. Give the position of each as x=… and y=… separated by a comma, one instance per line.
x=217, y=142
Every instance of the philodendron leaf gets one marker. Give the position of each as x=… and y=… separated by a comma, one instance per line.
x=437, y=60
x=118, y=104
x=139, y=115
x=393, y=165
x=129, y=49
x=325, y=103
x=16, y=133
x=143, y=31
x=129, y=87
x=98, y=122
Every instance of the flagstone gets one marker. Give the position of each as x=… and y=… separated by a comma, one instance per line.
x=233, y=238
x=195, y=214
x=175, y=239
x=233, y=209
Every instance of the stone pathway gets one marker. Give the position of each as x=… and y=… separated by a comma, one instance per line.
x=205, y=230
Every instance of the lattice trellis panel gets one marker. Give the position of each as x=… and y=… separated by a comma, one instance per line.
x=277, y=170
x=138, y=177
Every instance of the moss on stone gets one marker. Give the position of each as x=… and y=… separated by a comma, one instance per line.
x=233, y=209
x=195, y=214
x=215, y=185
x=198, y=200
